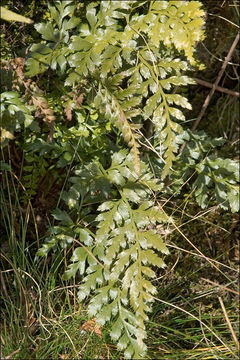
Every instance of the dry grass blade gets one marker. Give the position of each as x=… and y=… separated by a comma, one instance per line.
x=222, y=286
x=199, y=255
x=229, y=323
x=10, y=356
x=221, y=17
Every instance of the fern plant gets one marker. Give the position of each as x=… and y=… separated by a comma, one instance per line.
x=119, y=258
x=119, y=65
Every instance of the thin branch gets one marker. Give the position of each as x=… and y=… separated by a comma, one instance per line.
x=214, y=87
x=221, y=17
x=217, y=58
x=217, y=88
x=208, y=98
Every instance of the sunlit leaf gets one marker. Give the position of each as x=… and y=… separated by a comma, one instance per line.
x=12, y=16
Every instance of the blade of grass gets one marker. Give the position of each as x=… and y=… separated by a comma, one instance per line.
x=229, y=323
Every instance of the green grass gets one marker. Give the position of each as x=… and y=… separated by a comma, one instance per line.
x=57, y=331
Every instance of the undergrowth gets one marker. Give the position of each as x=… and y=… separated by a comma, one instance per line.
x=119, y=227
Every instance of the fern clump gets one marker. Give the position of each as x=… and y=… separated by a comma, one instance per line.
x=119, y=66
x=115, y=45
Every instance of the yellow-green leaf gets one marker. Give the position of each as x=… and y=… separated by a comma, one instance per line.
x=12, y=16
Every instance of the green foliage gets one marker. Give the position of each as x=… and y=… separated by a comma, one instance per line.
x=214, y=176
x=56, y=32
x=110, y=50
x=15, y=115
x=107, y=69
x=34, y=169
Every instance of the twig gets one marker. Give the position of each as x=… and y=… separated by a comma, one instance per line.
x=214, y=87
x=217, y=58
x=218, y=88
x=208, y=98
x=229, y=323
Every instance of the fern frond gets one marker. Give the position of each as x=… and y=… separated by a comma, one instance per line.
x=129, y=249
x=178, y=23
x=118, y=261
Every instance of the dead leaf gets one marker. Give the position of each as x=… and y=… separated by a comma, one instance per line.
x=63, y=356
x=68, y=112
x=79, y=100
x=91, y=326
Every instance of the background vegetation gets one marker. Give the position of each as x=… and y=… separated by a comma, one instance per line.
x=195, y=314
